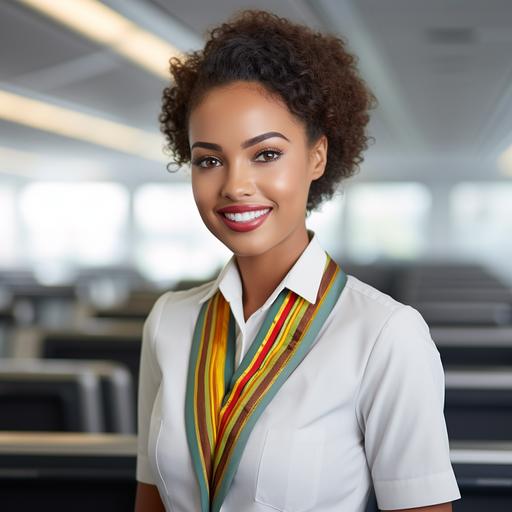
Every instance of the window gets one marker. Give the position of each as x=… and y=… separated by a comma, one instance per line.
x=172, y=241
x=8, y=232
x=482, y=219
x=387, y=221
x=327, y=223
x=69, y=224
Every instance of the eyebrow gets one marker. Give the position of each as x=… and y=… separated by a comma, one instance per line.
x=244, y=145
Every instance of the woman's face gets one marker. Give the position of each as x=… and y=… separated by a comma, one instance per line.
x=251, y=168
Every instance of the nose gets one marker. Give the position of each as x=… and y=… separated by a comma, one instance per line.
x=238, y=182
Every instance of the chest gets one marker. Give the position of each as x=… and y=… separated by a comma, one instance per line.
x=304, y=448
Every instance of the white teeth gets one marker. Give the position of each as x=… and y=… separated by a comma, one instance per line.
x=245, y=216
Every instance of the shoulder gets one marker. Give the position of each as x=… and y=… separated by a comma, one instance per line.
x=378, y=315
x=178, y=297
x=177, y=302
x=370, y=295
x=173, y=312
x=366, y=303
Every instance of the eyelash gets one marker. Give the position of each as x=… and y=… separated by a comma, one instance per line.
x=278, y=152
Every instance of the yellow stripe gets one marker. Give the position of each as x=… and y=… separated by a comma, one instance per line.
x=256, y=379
x=210, y=348
x=219, y=361
x=255, y=405
x=276, y=350
x=256, y=355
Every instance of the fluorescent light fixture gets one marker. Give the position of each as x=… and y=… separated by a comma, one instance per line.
x=103, y=25
x=78, y=125
x=505, y=161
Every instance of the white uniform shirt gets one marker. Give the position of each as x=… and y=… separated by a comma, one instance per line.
x=364, y=406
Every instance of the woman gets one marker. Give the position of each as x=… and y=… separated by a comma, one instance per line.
x=284, y=384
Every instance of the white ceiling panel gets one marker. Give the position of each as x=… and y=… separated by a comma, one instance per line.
x=28, y=42
x=452, y=61
x=127, y=95
x=441, y=70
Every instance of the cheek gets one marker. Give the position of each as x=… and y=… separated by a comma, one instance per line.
x=290, y=185
x=202, y=203
x=203, y=195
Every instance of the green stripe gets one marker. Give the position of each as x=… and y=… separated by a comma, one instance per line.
x=299, y=353
x=256, y=379
x=193, y=441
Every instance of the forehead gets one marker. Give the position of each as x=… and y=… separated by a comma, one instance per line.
x=240, y=110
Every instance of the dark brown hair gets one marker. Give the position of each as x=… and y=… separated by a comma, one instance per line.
x=312, y=73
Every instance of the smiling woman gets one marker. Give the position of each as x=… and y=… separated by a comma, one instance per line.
x=269, y=173
x=284, y=384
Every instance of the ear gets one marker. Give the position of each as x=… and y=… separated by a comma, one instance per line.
x=318, y=157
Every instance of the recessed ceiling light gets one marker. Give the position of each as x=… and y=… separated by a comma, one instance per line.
x=451, y=35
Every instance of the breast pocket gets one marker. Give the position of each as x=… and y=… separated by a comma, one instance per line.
x=290, y=470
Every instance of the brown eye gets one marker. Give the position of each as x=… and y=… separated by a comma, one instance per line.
x=268, y=155
x=204, y=162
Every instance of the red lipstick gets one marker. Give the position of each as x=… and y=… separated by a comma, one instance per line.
x=243, y=225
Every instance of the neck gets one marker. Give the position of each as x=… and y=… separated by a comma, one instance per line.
x=262, y=273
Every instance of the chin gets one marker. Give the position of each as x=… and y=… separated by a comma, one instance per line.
x=251, y=243
x=245, y=248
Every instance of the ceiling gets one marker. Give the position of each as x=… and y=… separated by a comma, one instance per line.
x=441, y=70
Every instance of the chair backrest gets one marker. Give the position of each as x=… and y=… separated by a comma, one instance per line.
x=464, y=294
x=117, y=341
x=37, y=397
x=116, y=386
x=484, y=475
x=456, y=313
x=62, y=472
x=478, y=403
x=473, y=346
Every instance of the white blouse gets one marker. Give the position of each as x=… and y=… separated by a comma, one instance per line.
x=365, y=405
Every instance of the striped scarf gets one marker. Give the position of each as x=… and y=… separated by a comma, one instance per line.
x=222, y=405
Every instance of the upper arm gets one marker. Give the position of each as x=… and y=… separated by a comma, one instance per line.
x=149, y=382
x=148, y=498
x=400, y=411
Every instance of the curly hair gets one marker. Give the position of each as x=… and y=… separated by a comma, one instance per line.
x=310, y=71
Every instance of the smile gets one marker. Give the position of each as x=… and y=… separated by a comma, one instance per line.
x=245, y=216
x=245, y=220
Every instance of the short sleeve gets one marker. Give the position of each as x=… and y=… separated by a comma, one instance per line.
x=400, y=410
x=148, y=384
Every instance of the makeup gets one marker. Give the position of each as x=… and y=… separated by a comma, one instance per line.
x=244, y=218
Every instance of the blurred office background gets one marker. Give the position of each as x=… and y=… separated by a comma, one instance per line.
x=93, y=227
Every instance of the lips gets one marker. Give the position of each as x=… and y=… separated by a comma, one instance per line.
x=244, y=218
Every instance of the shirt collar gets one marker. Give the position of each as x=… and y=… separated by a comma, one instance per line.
x=303, y=278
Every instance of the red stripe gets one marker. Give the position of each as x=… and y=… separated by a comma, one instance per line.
x=238, y=390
